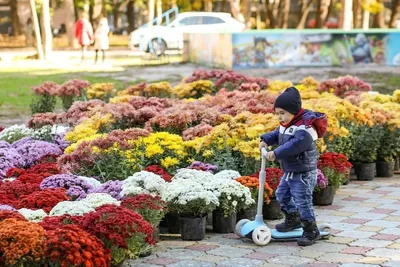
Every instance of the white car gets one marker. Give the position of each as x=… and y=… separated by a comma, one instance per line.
x=157, y=39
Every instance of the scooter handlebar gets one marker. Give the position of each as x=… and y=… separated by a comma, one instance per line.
x=264, y=152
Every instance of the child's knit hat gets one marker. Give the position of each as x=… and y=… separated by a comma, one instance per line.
x=289, y=100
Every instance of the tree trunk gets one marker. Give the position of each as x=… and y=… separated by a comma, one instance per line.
x=16, y=24
x=285, y=15
x=48, y=37
x=235, y=10
x=130, y=14
x=68, y=6
x=305, y=10
x=272, y=13
x=208, y=5
x=246, y=5
x=395, y=14
x=150, y=9
x=346, y=15
x=35, y=22
x=116, y=14
x=379, y=18
x=322, y=13
x=356, y=14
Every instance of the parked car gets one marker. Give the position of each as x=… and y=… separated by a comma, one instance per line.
x=157, y=39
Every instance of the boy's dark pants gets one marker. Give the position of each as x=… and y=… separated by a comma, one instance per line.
x=295, y=192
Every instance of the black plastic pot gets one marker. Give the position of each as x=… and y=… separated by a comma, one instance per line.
x=272, y=211
x=222, y=224
x=365, y=171
x=324, y=197
x=384, y=169
x=193, y=229
x=173, y=223
x=249, y=213
x=156, y=233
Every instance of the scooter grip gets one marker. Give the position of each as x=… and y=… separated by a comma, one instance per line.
x=264, y=152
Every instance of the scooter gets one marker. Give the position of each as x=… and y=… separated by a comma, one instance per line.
x=258, y=231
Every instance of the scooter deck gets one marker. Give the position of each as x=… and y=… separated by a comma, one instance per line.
x=297, y=233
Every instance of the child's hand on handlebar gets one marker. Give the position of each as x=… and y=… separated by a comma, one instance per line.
x=263, y=144
x=271, y=156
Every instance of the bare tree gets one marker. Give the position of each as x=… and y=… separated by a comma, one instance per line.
x=16, y=24
x=285, y=14
x=48, y=37
x=322, y=12
x=130, y=14
x=68, y=6
x=235, y=10
x=35, y=21
x=379, y=18
x=150, y=6
x=395, y=14
x=272, y=8
x=346, y=16
x=305, y=7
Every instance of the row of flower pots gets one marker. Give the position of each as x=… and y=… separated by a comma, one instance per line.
x=368, y=171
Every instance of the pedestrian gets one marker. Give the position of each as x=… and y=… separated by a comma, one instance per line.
x=84, y=34
x=101, y=38
x=297, y=152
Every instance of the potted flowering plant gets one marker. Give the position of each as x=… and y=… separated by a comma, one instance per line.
x=272, y=210
x=192, y=201
x=388, y=148
x=253, y=184
x=152, y=208
x=339, y=164
x=323, y=192
x=232, y=196
x=367, y=141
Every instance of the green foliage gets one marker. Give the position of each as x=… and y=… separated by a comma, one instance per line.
x=367, y=140
x=43, y=103
x=389, y=143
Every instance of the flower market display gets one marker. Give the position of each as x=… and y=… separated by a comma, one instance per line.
x=92, y=185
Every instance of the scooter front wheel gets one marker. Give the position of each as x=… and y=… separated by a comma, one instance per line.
x=239, y=225
x=327, y=229
x=261, y=235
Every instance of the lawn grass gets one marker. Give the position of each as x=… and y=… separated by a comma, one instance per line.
x=16, y=95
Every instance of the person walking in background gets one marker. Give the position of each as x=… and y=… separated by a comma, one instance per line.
x=84, y=34
x=101, y=38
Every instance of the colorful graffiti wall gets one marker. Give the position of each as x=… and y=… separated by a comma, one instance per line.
x=267, y=49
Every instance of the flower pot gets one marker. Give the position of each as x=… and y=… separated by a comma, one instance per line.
x=249, y=213
x=365, y=171
x=384, y=169
x=324, y=197
x=173, y=223
x=163, y=222
x=223, y=225
x=272, y=211
x=193, y=229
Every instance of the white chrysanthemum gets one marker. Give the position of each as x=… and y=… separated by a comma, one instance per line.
x=33, y=215
x=71, y=208
x=15, y=130
x=143, y=183
x=227, y=174
x=92, y=181
x=59, y=129
x=95, y=200
x=201, y=177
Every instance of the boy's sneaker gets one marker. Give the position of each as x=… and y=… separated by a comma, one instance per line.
x=310, y=235
x=292, y=221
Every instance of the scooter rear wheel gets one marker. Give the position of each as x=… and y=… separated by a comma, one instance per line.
x=239, y=225
x=262, y=235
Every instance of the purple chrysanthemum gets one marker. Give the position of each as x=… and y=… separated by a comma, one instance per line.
x=9, y=158
x=113, y=188
x=33, y=150
x=76, y=187
x=6, y=207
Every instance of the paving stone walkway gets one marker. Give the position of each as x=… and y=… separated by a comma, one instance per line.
x=365, y=217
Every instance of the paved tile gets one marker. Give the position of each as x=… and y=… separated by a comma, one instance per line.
x=356, y=234
x=355, y=208
x=360, y=199
x=211, y=258
x=385, y=253
x=391, y=264
x=260, y=256
x=344, y=226
x=383, y=223
x=370, y=228
x=357, y=265
x=240, y=262
x=322, y=264
x=341, y=213
x=340, y=240
x=393, y=218
x=326, y=247
x=369, y=215
x=290, y=260
x=369, y=204
x=229, y=251
x=161, y=261
x=355, y=250
x=382, y=211
x=191, y=263
x=394, y=246
x=386, y=237
x=373, y=260
x=356, y=221
x=201, y=247
x=309, y=254
x=181, y=254
x=371, y=243
x=278, y=248
x=340, y=257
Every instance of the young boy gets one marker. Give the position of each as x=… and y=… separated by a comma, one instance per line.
x=297, y=153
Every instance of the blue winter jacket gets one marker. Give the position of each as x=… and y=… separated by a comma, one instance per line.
x=297, y=151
